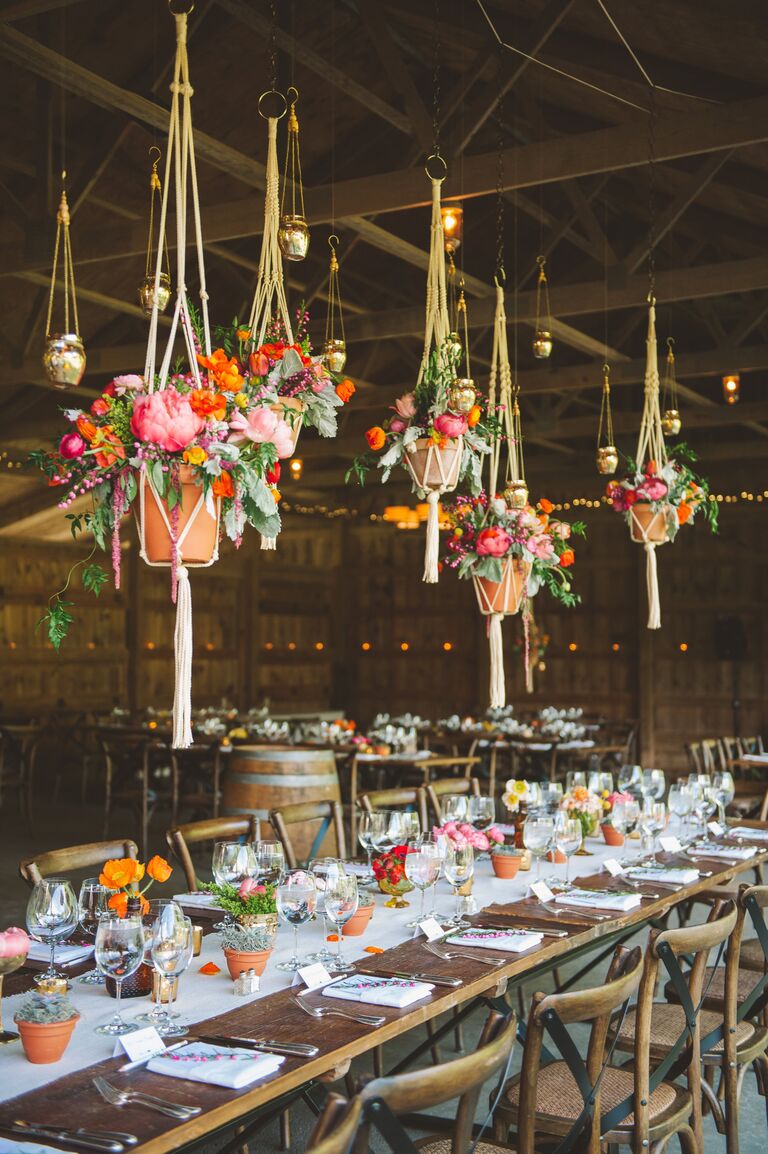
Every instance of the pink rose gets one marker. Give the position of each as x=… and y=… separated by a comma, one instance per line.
x=451, y=424
x=14, y=943
x=128, y=383
x=493, y=833
x=262, y=425
x=493, y=542
x=541, y=547
x=167, y=419
x=405, y=406
x=249, y=887
x=563, y=531
x=71, y=446
x=654, y=488
x=397, y=425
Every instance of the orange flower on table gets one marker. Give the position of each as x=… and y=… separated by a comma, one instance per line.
x=376, y=438
x=86, y=428
x=206, y=403
x=345, y=390
x=158, y=869
x=222, y=486
x=684, y=511
x=119, y=872
x=567, y=558
x=545, y=505
x=580, y=793
x=473, y=416
x=119, y=903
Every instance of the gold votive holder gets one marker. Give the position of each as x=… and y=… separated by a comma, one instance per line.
x=52, y=986
x=164, y=990
x=197, y=941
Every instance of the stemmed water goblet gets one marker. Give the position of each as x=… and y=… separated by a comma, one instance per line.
x=422, y=868
x=723, y=790
x=680, y=802
x=370, y=825
x=454, y=807
x=171, y=916
x=459, y=866
x=704, y=802
x=232, y=863
x=341, y=900
x=390, y=833
x=550, y=796
x=296, y=899
x=654, y=784
x=575, y=778
x=481, y=812
x=270, y=862
x=324, y=870
x=630, y=778
x=538, y=833
x=92, y=905
x=653, y=819
x=568, y=836
x=52, y=915
x=171, y=952
x=119, y=953
x=625, y=816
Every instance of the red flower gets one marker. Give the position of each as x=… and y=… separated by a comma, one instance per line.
x=273, y=474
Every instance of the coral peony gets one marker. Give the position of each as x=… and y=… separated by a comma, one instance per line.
x=167, y=419
x=493, y=542
x=405, y=406
x=71, y=446
x=451, y=424
x=127, y=383
x=261, y=425
x=14, y=943
x=208, y=404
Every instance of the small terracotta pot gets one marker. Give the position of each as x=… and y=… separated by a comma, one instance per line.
x=294, y=419
x=503, y=596
x=643, y=519
x=611, y=836
x=237, y=961
x=433, y=467
x=358, y=923
x=505, y=865
x=199, y=544
x=45, y=1042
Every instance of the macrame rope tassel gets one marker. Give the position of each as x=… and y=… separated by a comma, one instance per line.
x=652, y=582
x=498, y=693
x=527, y=618
x=182, y=645
x=268, y=542
x=432, y=546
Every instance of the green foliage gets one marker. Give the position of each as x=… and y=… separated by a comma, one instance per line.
x=45, y=1009
x=57, y=620
x=230, y=901
x=246, y=939
x=359, y=469
x=94, y=578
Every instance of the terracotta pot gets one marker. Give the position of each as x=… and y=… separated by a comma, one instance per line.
x=45, y=1042
x=358, y=923
x=611, y=835
x=237, y=961
x=433, y=467
x=200, y=543
x=644, y=520
x=291, y=409
x=556, y=857
x=505, y=865
x=503, y=596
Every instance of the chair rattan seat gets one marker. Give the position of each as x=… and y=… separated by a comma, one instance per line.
x=715, y=987
x=442, y=1145
x=667, y=1023
x=751, y=956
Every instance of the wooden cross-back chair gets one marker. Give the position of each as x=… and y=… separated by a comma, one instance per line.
x=409, y=797
x=336, y=1128
x=181, y=837
x=74, y=858
x=131, y=756
x=448, y=786
x=323, y=820
x=711, y=755
x=18, y=754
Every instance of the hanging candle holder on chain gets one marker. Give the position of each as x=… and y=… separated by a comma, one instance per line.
x=155, y=287
x=454, y=347
x=63, y=352
x=462, y=394
x=516, y=487
x=293, y=234
x=607, y=455
x=671, y=422
x=542, y=340
x=335, y=347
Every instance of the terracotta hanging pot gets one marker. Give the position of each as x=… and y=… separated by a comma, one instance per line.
x=291, y=410
x=434, y=467
x=644, y=520
x=199, y=543
x=503, y=596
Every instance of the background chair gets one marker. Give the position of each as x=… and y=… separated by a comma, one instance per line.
x=197, y=833
x=74, y=858
x=408, y=798
x=321, y=831
x=447, y=786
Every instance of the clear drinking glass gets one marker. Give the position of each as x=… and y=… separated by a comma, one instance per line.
x=482, y=812
x=459, y=866
x=52, y=915
x=422, y=868
x=119, y=953
x=170, y=914
x=454, y=807
x=390, y=833
x=568, y=835
x=341, y=900
x=653, y=819
x=704, y=803
x=723, y=789
x=550, y=796
x=538, y=833
x=680, y=802
x=270, y=862
x=370, y=824
x=296, y=898
x=324, y=871
x=575, y=777
x=630, y=778
x=411, y=825
x=654, y=784
x=232, y=863
x=171, y=951
x=625, y=816
x=91, y=905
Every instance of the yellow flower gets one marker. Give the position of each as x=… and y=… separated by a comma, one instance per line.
x=240, y=400
x=519, y=787
x=196, y=455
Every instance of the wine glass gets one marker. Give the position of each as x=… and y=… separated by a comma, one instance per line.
x=574, y=778
x=52, y=915
x=538, y=832
x=341, y=901
x=630, y=778
x=171, y=952
x=723, y=789
x=411, y=825
x=653, y=818
x=422, y=868
x=371, y=822
x=482, y=812
x=625, y=816
x=390, y=833
x=232, y=863
x=654, y=784
x=270, y=862
x=119, y=953
x=91, y=905
x=704, y=802
x=324, y=870
x=459, y=866
x=680, y=802
x=454, y=807
x=568, y=836
x=296, y=898
x=551, y=795
x=170, y=914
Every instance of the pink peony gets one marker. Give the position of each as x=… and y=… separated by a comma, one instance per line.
x=397, y=425
x=128, y=383
x=541, y=547
x=451, y=424
x=405, y=406
x=14, y=943
x=493, y=833
x=167, y=419
x=654, y=489
x=262, y=425
x=249, y=888
x=493, y=542
x=71, y=445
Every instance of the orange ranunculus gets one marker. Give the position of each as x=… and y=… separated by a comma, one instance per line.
x=225, y=370
x=345, y=390
x=473, y=416
x=376, y=438
x=119, y=903
x=545, y=505
x=222, y=486
x=86, y=428
x=109, y=445
x=119, y=872
x=243, y=334
x=208, y=404
x=684, y=511
x=567, y=558
x=158, y=869
x=543, y=518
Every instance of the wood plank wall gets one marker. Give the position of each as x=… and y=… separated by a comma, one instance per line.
x=290, y=626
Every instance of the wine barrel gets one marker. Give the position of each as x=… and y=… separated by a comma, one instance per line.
x=261, y=778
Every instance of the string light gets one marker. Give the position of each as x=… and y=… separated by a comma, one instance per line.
x=615, y=647
x=319, y=646
x=447, y=646
x=404, y=646
x=365, y=646
x=683, y=646
x=296, y=466
x=731, y=388
x=573, y=646
x=291, y=645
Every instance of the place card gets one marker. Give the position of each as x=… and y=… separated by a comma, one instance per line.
x=140, y=1045
x=313, y=976
x=431, y=929
x=670, y=844
x=715, y=828
x=614, y=867
x=542, y=891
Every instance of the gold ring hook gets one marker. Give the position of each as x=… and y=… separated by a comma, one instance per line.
x=333, y=241
x=541, y=260
x=441, y=173
x=152, y=149
x=295, y=99
x=280, y=105
x=606, y=369
x=670, y=343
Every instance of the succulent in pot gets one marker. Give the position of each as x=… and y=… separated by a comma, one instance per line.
x=46, y=1022
x=246, y=948
x=506, y=860
x=250, y=904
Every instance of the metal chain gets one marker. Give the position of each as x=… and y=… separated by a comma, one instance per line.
x=436, y=80
x=652, y=193
x=500, y=171
x=273, y=43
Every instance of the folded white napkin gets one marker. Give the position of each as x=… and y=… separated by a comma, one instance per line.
x=12, y=1146
x=735, y=852
x=197, y=899
x=65, y=955
x=756, y=758
x=509, y=941
x=752, y=834
x=604, y=900
x=358, y=868
x=217, y=1065
x=676, y=876
x=369, y=756
x=396, y=992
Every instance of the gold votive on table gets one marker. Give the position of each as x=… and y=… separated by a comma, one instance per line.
x=197, y=941
x=164, y=989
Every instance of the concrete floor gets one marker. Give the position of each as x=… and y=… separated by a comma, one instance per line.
x=68, y=823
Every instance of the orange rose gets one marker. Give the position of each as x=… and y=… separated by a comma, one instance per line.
x=243, y=334
x=376, y=438
x=208, y=404
x=119, y=903
x=225, y=370
x=345, y=390
x=567, y=558
x=86, y=428
x=158, y=869
x=545, y=505
x=119, y=872
x=684, y=511
x=222, y=486
x=473, y=416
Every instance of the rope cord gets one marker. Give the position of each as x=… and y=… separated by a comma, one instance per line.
x=269, y=295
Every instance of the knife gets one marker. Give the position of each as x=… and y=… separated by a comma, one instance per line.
x=288, y=1049
x=547, y=933
x=86, y=1139
x=435, y=979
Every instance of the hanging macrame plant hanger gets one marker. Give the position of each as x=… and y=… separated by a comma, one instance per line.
x=181, y=525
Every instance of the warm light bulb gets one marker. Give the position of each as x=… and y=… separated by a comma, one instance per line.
x=731, y=388
x=447, y=646
x=573, y=647
x=269, y=645
x=150, y=645
x=296, y=467
x=683, y=646
x=453, y=219
x=404, y=646
x=291, y=645
x=615, y=647
x=319, y=646
x=366, y=646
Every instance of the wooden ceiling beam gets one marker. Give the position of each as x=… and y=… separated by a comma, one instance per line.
x=395, y=68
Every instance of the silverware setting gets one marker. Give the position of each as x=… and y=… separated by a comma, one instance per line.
x=448, y=955
x=434, y=979
x=117, y=1097
x=329, y=1012
x=530, y=929
x=287, y=1049
x=575, y=911
x=106, y=1141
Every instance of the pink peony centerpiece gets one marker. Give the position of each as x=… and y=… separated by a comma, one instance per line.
x=166, y=418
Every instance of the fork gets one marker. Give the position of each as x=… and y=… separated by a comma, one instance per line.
x=117, y=1097
x=575, y=911
x=448, y=954
x=327, y=1012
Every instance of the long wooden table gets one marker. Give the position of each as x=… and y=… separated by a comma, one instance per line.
x=72, y=1101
